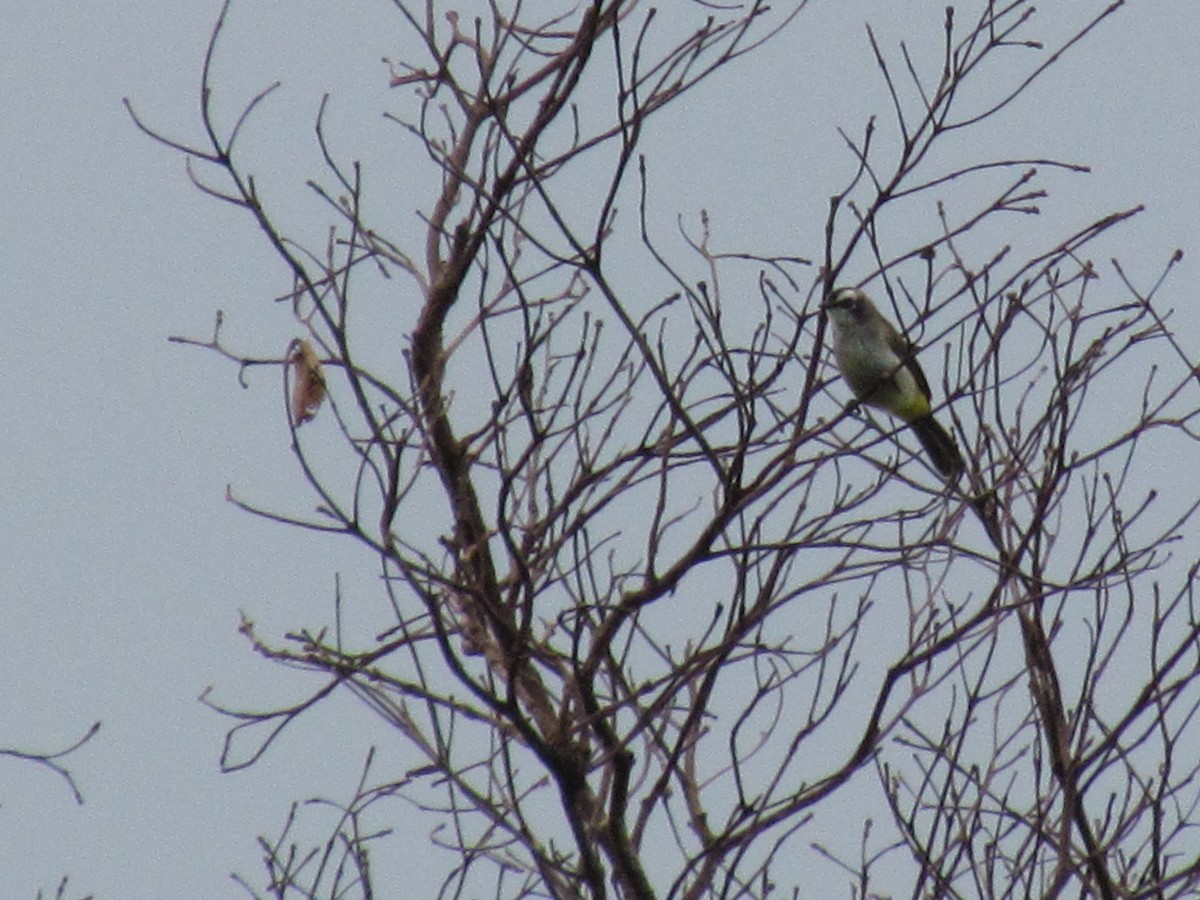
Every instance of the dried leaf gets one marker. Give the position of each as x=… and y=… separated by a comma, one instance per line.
x=308, y=382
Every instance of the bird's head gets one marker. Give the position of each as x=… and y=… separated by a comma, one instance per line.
x=847, y=306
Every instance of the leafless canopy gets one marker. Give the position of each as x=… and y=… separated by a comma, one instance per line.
x=664, y=617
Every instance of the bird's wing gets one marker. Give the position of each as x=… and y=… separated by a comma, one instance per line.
x=907, y=352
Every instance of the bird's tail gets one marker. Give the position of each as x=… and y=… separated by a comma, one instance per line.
x=939, y=445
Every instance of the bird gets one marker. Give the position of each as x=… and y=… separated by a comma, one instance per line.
x=881, y=367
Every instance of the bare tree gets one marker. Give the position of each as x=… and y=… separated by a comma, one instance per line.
x=659, y=600
x=55, y=761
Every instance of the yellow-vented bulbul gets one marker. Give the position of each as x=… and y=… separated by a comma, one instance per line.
x=881, y=368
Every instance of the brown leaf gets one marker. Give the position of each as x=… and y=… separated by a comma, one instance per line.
x=308, y=382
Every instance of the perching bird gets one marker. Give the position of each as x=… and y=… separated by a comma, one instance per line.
x=881, y=367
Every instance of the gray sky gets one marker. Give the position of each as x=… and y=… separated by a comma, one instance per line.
x=123, y=569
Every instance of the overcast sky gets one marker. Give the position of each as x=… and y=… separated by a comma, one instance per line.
x=123, y=571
